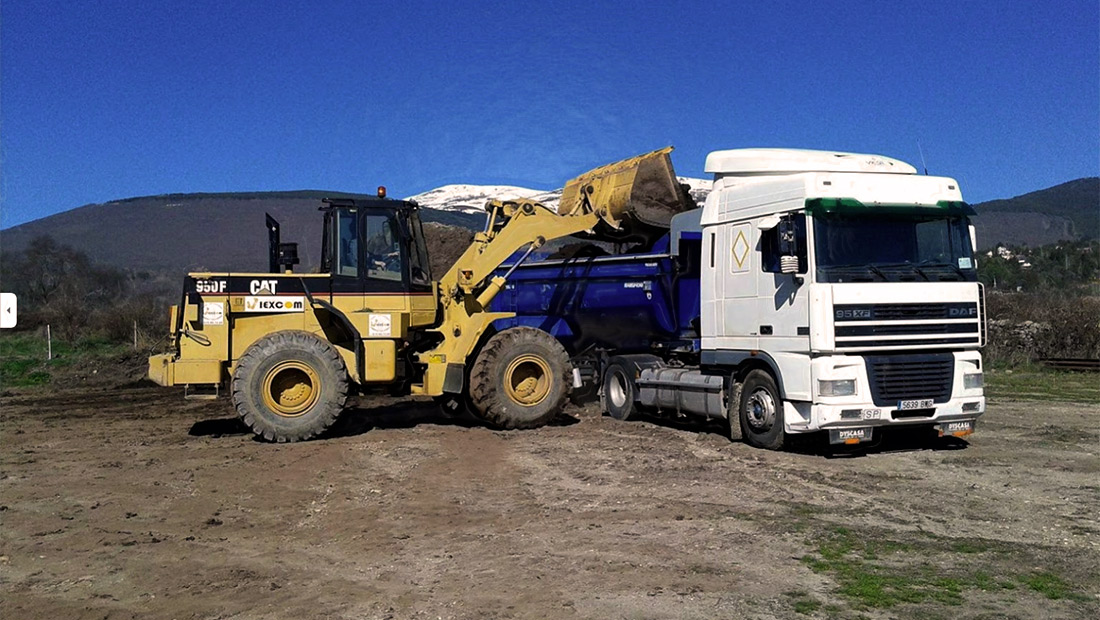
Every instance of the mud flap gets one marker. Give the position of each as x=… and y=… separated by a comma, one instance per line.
x=454, y=379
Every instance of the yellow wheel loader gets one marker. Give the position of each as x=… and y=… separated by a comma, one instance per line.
x=292, y=347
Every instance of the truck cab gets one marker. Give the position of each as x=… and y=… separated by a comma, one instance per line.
x=851, y=280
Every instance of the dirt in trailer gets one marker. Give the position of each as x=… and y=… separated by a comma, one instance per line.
x=129, y=502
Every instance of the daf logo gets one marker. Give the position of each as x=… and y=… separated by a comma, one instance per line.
x=961, y=312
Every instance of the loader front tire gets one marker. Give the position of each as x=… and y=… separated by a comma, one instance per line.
x=290, y=386
x=521, y=379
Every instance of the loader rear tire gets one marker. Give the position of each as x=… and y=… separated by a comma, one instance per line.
x=290, y=386
x=521, y=379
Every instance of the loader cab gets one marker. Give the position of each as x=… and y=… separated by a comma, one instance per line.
x=374, y=246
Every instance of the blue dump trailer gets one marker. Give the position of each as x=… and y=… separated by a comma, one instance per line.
x=596, y=303
x=812, y=292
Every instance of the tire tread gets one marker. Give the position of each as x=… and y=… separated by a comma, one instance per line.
x=486, y=395
x=274, y=344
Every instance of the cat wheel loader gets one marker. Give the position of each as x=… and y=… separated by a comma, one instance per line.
x=292, y=347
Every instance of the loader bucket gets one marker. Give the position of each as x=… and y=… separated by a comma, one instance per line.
x=642, y=189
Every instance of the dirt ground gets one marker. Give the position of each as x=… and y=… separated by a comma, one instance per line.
x=129, y=502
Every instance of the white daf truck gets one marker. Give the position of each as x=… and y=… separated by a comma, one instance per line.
x=813, y=291
x=854, y=278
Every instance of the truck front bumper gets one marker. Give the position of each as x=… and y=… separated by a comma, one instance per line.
x=956, y=417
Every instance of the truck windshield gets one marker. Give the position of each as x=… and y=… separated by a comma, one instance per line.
x=896, y=248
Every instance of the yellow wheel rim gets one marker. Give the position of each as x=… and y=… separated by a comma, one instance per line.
x=527, y=380
x=291, y=388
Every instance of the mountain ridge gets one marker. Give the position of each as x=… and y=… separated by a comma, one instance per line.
x=225, y=230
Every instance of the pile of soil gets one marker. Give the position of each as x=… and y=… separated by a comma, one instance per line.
x=445, y=244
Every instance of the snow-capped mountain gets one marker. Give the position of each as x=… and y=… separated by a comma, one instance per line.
x=472, y=198
x=700, y=188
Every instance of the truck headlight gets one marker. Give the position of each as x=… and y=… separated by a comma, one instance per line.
x=973, y=381
x=836, y=387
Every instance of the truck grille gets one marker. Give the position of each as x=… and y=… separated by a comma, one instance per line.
x=892, y=326
x=905, y=312
x=905, y=329
x=899, y=312
x=905, y=377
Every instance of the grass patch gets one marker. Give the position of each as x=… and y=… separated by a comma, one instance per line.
x=1051, y=586
x=969, y=546
x=23, y=357
x=802, y=603
x=874, y=572
x=806, y=606
x=1038, y=383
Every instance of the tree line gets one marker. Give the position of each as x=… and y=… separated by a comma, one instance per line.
x=60, y=286
x=1068, y=267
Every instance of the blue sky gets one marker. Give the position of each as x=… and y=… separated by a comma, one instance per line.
x=106, y=100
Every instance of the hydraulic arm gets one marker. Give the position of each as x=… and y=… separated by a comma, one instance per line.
x=466, y=289
x=635, y=192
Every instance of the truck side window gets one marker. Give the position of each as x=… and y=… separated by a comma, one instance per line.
x=788, y=237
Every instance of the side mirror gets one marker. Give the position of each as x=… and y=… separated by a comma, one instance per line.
x=788, y=246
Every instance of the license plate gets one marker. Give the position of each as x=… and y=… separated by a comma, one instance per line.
x=850, y=435
x=956, y=429
x=908, y=405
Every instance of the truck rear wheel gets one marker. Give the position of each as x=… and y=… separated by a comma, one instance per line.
x=521, y=379
x=619, y=391
x=761, y=411
x=290, y=386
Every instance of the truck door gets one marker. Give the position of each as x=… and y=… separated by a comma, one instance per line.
x=737, y=262
x=782, y=303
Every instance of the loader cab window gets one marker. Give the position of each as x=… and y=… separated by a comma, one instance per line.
x=383, y=248
x=347, y=243
x=373, y=249
x=420, y=269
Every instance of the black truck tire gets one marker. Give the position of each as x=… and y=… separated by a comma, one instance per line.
x=760, y=411
x=290, y=386
x=619, y=391
x=520, y=379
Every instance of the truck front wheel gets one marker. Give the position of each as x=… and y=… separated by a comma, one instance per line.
x=761, y=411
x=290, y=386
x=521, y=379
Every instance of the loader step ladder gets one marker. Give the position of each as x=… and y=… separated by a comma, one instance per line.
x=201, y=392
